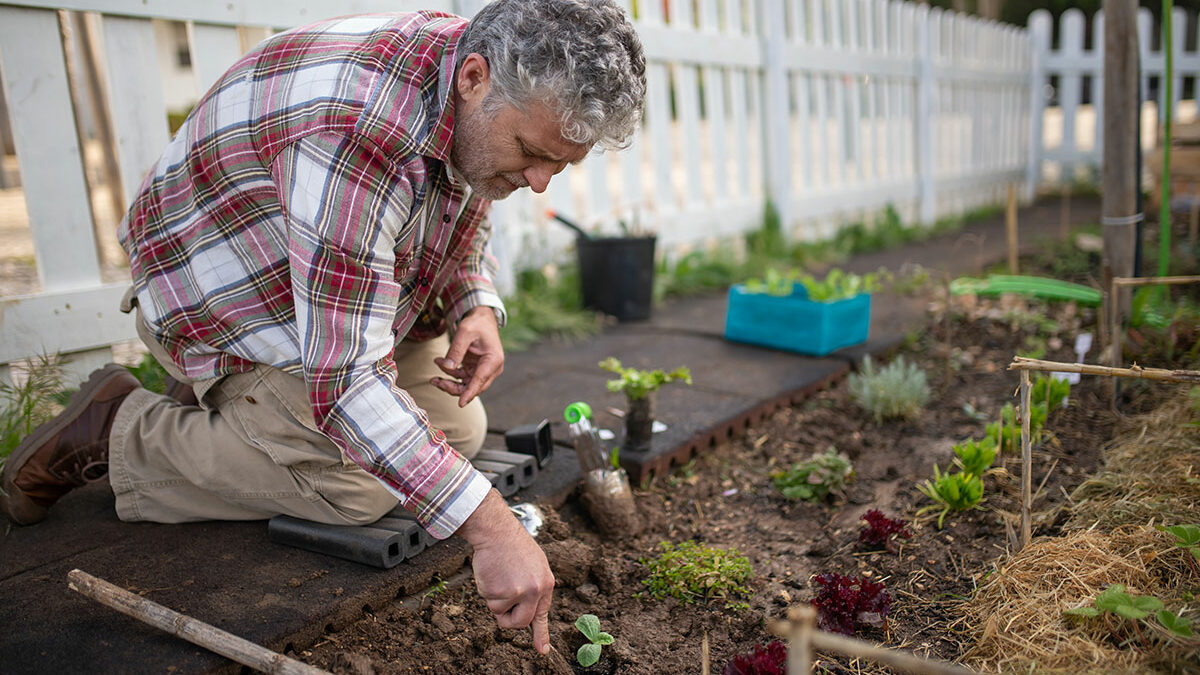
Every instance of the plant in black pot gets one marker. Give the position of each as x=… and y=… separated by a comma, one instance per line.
x=616, y=274
x=639, y=387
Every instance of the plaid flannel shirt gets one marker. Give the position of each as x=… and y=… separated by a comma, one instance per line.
x=304, y=217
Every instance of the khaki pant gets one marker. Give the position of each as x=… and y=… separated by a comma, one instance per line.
x=251, y=449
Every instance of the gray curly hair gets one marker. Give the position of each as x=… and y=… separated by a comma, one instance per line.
x=580, y=57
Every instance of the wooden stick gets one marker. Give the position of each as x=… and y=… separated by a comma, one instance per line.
x=1134, y=371
x=1026, y=464
x=705, y=663
x=802, y=622
x=1010, y=225
x=193, y=630
x=803, y=619
x=1155, y=281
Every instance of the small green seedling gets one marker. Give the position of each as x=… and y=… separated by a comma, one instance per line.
x=614, y=458
x=1114, y=600
x=589, y=654
x=816, y=478
x=952, y=492
x=898, y=390
x=693, y=572
x=1007, y=432
x=976, y=457
x=1187, y=537
x=1050, y=391
x=839, y=285
x=637, y=384
x=773, y=282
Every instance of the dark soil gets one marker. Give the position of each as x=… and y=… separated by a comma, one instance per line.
x=725, y=498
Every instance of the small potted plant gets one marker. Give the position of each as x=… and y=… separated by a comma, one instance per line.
x=796, y=312
x=639, y=387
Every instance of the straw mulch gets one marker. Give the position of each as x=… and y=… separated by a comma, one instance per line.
x=1150, y=477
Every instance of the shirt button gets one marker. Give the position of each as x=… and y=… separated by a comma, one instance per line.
x=445, y=217
x=250, y=399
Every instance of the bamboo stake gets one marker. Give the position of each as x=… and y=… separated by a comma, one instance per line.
x=1010, y=225
x=1026, y=464
x=1135, y=371
x=705, y=663
x=193, y=630
x=804, y=637
x=804, y=623
x=1155, y=281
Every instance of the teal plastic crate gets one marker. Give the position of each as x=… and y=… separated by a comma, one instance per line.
x=795, y=323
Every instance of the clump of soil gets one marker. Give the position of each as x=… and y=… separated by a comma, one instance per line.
x=725, y=498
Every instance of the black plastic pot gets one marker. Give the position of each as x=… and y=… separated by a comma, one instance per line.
x=617, y=275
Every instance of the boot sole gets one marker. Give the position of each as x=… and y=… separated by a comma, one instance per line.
x=21, y=509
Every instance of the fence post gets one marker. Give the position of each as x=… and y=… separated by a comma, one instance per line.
x=926, y=103
x=776, y=139
x=1039, y=38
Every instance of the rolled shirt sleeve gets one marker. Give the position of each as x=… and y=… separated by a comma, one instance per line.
x=348, y=209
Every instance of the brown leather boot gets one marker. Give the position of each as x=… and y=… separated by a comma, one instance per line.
x=66, y=452
x=180, y=392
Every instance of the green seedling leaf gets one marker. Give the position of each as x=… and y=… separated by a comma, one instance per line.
x=588, y=655
x=1113, y=597
x=1147, y=603
x=604, y=639
x=1185, y=535
x=1083, y=611
x=1176, y=624
x=589, y=625
x=1130, y=612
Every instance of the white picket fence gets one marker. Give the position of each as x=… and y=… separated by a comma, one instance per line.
x=832, y=109
x=1072, y=129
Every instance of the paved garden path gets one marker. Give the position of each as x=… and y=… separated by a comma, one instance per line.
x=230, y=575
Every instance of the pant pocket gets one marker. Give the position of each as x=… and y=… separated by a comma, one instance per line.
x=276, y=415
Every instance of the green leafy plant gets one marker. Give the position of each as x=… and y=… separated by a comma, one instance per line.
x=815, y=478
x=1115, y=601
x=1007, y=432
x=1187, y=537
x=694, y=572
x=28, y=404
x=151, y=374
x=1050, y=391
x=545, y=308
x=773, y=282
x=951, y=492
x=838, y=285
x=589, y=654
x=899, y=390
x=636, y=384
x=975, y=457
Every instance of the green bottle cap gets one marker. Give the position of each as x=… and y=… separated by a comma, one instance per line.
x=577, y=411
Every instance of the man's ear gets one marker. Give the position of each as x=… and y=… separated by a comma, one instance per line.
x=474, y=78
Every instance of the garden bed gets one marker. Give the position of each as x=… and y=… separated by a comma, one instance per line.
x=725, y=499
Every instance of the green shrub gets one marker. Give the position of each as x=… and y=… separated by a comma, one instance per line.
x=897, y=391
x=694, y=572
x=816, y=478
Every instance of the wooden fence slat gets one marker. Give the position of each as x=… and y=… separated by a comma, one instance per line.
x=214, y=50
x=47, y=146
x=139, y=111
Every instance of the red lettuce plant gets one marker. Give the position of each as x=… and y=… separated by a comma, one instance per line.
x=883, y=531
x=770, y=659
x=842, y=602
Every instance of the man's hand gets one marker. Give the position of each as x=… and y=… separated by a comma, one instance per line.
x=475, y=358
x=511, y=571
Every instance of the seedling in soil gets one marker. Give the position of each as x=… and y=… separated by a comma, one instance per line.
x=694, y=572
x=976, y=457
x=838, y=285
x=815, y=479
x=637, y=384
x=769, y=659
x=589, y=654
x=1115, y=601
x=1007, y=432
x=1050, y=391
x=952, y=492
x=1187, y=537
x=899, y=390
x=882, y=531
x=844, y=602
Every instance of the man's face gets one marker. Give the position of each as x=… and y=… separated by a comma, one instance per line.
x=496, y=153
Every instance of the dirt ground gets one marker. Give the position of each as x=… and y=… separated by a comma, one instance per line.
x=725, y=498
